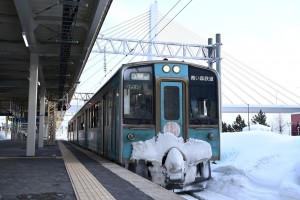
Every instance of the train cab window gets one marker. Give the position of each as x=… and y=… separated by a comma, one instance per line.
x=138, y=96
x=203, y=97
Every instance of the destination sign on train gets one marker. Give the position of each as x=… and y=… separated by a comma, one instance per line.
x=202, y=78
x=140, y=76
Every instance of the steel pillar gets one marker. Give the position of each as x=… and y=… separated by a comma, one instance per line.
x=32, y=105
x=210, y=52
x=42, y=118
x=51, y=122
x=6, y=127
x=218, y=68
x=152, y=27
x=218, y=53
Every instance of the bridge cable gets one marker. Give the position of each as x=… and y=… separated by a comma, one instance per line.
x=168, y=22
x=123, y=24
x=238, y=89
x=238, y=96
x=257, y=74
x=254, y=83
x=95, y=64
x=144, y=37
x=246, y=83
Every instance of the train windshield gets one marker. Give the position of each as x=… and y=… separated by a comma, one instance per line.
x=138, y=96
x=203, y=97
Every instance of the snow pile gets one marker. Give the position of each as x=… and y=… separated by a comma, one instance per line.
x=258, y=165
x=185, y=157
x=257, y=127
x=193, y=150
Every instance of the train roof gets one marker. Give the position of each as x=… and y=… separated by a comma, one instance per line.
x=163, y=61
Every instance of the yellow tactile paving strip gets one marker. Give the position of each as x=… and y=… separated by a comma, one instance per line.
x=85, y=185
x=149, y=188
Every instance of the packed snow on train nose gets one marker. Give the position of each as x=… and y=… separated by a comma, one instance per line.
x=173, y=163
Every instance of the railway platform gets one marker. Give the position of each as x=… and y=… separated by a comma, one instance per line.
x=65, y=171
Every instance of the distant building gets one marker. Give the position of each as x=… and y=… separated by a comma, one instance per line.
x=295, y=124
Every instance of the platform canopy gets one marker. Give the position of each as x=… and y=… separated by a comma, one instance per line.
x=60, y=32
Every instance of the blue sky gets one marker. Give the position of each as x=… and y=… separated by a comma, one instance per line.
x=264, y=34
x=257, y=19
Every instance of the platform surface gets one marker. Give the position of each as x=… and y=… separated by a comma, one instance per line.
x=65, y=171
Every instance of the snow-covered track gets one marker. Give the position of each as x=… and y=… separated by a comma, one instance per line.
x=208, y=195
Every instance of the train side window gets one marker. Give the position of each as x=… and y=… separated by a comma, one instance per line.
x=81, y=122
x=96, y=115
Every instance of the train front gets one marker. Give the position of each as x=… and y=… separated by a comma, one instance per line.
x=185, y=133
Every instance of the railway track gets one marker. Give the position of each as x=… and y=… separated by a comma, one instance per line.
x=205, y=195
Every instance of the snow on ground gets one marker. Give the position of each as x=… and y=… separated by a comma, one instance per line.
x=2, y=136
x=257, y=164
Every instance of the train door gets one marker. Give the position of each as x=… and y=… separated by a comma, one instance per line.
x=172, y=109
x=109, y=124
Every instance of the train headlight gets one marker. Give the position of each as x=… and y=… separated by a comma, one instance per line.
x=176, y=69
x=166, y=68
x=210, y=136
x=131, y=136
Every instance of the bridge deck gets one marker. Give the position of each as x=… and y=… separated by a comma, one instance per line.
x=257, y=108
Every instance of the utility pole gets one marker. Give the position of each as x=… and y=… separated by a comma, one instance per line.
x=248, y=118
x=210, y=51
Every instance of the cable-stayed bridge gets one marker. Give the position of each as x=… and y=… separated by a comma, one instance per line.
x=244, y=89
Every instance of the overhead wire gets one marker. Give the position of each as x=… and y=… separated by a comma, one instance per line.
x=144, y=37
x=91, y=66
x=135, y=20
x=233, y=66
x=134, y=28
x=115, y=57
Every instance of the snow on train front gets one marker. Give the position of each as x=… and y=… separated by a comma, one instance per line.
x=174, y=163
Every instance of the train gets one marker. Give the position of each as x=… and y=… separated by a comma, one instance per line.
x=152, y=101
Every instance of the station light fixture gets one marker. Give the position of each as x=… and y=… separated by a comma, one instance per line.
x=25, y=39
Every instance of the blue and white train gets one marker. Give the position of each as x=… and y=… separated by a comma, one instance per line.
x=144, y=99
